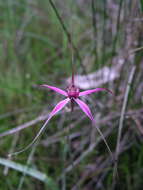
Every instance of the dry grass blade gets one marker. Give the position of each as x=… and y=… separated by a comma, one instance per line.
x=86, y=152
x=25, y=125
x=131, y=75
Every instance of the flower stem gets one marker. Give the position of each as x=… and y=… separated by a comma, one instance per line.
x=72, y=74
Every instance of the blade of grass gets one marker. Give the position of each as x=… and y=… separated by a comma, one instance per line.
x=117, y=27
x=28, y=165
x=30, y=171
x=125, y=101
x=14, y=142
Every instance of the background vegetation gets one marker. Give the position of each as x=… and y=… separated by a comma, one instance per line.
x=35, y=49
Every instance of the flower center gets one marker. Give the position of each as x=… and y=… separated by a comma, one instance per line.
x=73, y=91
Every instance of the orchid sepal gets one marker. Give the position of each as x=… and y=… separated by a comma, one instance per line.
x=58, y=90
x=56, y=109
x=87, y=92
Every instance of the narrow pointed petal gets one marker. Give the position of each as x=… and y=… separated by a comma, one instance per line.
x=59, y=106
x=58, y=90
x=94, y=90
x=84, y=107
x=56, y=109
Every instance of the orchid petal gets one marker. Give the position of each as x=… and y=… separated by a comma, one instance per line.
x=94, y=90
x=59, y=106
x=56, y=109
x=58, y=90
x=84, y=107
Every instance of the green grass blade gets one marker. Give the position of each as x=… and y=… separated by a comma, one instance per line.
x=29, y=171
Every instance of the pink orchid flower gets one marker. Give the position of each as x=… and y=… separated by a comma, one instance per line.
x=72, y=95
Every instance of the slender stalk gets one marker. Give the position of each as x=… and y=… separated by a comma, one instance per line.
x=94, y=25
x=68, y=34
x=117, y=27
x=28, y=166
x=125, y=101
x=72, y=74
x=72, y=65
x=65, y=30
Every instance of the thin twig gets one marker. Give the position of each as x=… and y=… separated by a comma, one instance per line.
x=136, y=50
